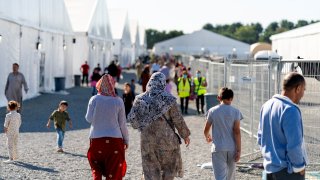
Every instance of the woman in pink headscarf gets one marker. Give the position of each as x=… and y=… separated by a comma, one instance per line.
x=108, y=132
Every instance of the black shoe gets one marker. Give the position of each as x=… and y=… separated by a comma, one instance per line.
x=198, y=112
x=186, y=112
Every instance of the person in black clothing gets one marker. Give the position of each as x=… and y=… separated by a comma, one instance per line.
x=95, y=77
x=98, y=68
x=127, y=98
x=113, y=70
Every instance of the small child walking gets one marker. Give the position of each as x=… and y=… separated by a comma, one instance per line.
x=226, y=138
x=127, y=98
x=60, y=117
x=12, y=124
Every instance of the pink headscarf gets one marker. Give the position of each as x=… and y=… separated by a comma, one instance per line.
x=105, y=86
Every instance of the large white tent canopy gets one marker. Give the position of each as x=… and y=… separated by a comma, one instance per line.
x=135, y=39
x=143, y=40
x=23, y=25
x=120, y=28
x=200, y=42
x=303, y=42
x=93, y=40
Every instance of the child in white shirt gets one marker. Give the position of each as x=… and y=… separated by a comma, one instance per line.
x=11, y=128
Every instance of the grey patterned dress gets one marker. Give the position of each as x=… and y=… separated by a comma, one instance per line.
x=160, y=149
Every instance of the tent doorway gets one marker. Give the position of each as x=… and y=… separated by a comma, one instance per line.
x=42, y=71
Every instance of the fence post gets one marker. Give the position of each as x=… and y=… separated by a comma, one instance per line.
x=269, y=75
x=227, y=67
x=279, y=71
x=252, y=139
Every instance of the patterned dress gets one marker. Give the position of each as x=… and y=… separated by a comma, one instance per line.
x=160, y=149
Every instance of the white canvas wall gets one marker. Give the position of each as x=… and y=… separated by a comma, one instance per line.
x=68, y=59
x=81, y=53
x=29, y=59
x=19, y=45
x=49, y=56
x=9, y=53
x=84, y=51
x=306, y=47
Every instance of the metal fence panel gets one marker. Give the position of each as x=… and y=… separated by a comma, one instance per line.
x=309, y=104
x=255, y=82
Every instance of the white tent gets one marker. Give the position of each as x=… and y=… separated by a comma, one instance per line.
x=92, y=43
x=303, y=42
x=23, y=25
x=135, y=39
x=120, y=28
x=202, y=42
x=143, y=41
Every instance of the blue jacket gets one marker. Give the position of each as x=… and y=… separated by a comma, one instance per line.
x=280, y=135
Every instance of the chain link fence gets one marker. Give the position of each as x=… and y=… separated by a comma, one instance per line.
x=255, y=82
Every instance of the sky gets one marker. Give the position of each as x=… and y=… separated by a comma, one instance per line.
x=191, y=15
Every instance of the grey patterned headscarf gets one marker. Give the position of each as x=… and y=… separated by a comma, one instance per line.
x=152, y=104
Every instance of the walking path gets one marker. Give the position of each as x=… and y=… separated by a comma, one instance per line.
x=38, y=159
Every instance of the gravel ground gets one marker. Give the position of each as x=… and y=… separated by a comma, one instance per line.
x=38, y=159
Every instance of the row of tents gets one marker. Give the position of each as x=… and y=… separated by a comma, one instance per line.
x=53, y=38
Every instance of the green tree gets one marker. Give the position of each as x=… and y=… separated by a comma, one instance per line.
x=285, y=24
x=208, y=27
x=301, y=23
x=257, y=27
x=269, y=31
x=154, y=36
x=247, y=34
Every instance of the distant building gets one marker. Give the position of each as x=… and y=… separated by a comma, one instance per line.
x=203, y=42
x=303, y=42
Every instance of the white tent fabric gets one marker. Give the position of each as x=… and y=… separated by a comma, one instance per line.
x=22, y=25
x=143, y=40
x=93, y=40
x=202, y=41
x=120, y=28
x=303, y=42
x=49, y=15
x=266, y=55
x=9, y=53
x=135, y=39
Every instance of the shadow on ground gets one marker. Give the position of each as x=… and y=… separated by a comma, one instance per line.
x=33, y=167
x=75, y=155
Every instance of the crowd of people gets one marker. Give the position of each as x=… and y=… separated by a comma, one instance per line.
x=189, y=87
x=156, y=115
x=114, y=69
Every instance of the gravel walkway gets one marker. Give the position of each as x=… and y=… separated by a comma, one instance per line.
x=38, y=159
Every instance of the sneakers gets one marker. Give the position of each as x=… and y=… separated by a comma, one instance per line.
x=8, y=161
x=60, y=150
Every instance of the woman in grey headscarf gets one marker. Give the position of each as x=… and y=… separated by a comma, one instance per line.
x=151, y=114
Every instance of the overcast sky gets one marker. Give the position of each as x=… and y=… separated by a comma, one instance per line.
x=191, y=15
